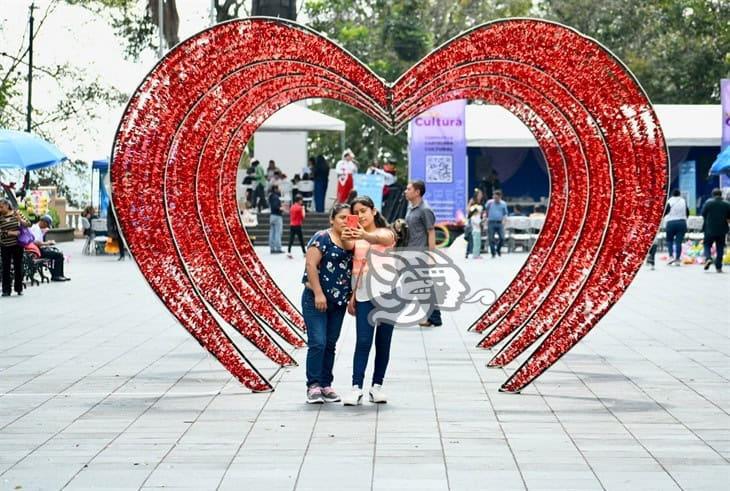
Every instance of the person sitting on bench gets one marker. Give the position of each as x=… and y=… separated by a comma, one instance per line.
x=39, y=231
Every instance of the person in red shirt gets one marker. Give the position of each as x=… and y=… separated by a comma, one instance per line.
x=296, y=219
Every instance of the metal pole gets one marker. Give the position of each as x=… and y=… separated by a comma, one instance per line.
x=161, y=26
x=29, y=109
x=28, y=116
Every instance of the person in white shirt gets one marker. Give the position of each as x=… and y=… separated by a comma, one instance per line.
x=676, y=214
x=347, y=165
x=39, y=231
x=345, y=168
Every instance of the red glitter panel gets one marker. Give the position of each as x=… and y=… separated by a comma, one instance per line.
x=177, y=148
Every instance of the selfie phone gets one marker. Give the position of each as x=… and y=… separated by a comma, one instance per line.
x=352, y=221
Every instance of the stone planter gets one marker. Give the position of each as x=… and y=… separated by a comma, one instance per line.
x=61, y=234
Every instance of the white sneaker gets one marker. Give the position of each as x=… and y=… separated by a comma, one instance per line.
x=377, y=395
x=354, y=398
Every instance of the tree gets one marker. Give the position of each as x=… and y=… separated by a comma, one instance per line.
x=678, y=51
x=79, y=97
x=390, y=36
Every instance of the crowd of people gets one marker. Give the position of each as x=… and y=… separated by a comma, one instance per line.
x=21, y=241
x=715, y=214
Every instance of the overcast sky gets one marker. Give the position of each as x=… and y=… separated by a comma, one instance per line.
x=74, y=35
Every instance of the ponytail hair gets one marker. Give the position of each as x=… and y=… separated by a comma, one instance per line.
x=380, y=222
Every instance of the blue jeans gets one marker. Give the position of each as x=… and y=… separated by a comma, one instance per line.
x=323, y=331
x=675, y=236
x=320, y=190
x=495, y=247
x=365, y=333
x=276, y=224
x=476, y=243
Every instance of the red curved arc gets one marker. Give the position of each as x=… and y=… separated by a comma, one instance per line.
x=160, y=264
x=549, y=238
x=648, y=177
x=229, y=206
x=534, y=290
x=153, y=87
x=612, y=264
x=213, y=278
x=579, y=64
x=207, y=176
x=616, y=141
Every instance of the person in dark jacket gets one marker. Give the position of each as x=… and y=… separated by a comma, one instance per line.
x=716, y=213
x=276, y=223
x=321, y=176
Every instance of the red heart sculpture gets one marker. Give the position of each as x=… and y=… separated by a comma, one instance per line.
x=177, y=148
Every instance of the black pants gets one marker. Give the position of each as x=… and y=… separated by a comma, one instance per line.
x=56, y=261
x=296, y=230
x=12, y=255
x=259, y=198
x=719, y=241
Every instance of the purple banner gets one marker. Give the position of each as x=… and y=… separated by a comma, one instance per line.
x=437, y=156
x=725, y=101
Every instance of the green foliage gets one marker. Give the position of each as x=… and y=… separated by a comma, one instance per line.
x=678, y=51
x=390, y=36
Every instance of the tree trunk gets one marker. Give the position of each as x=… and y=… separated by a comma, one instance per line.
x=286, y=9
x=171, y=19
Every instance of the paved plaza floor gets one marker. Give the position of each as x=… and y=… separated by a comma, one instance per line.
x=101, y=389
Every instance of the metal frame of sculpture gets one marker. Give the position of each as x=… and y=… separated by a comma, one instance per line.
x=178, y=144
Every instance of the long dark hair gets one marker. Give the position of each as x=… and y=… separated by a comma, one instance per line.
x=366, y=201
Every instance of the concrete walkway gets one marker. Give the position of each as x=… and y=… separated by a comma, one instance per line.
x=101, y=389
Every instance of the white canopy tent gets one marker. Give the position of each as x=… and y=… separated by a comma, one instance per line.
x=683, y=125
x=283, y=139
x=296, y=117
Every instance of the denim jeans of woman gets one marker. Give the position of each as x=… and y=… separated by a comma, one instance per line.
x=365, y=334
x=323, y=331
x=675, y=236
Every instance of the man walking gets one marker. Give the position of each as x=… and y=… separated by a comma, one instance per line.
x=716, y=213
x=276, y=222
x=421, y=232
x=259, y=193
x=496, y=211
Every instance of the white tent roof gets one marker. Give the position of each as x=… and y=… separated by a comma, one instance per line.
x=296, y=117
x=683, y=125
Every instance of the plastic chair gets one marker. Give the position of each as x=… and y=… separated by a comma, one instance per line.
x=100, y=234
x=306, y=189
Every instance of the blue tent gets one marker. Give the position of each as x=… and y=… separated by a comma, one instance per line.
x=21, y=150
x=100, y=165
x=722, y=163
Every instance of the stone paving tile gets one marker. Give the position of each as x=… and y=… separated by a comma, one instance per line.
x=115, y=395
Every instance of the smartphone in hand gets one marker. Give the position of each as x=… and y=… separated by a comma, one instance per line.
x=352, y=221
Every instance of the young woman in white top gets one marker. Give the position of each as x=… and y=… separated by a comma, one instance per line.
x=676, y=214
x=372, y=233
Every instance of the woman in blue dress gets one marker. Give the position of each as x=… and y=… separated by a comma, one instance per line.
x=327, y=288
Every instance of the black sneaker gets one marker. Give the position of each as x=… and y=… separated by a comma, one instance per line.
x=708, y=263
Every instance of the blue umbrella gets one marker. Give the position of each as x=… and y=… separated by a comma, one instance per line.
x=21, y=150
x=722, y=164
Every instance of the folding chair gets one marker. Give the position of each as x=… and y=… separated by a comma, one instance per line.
x=306, y=189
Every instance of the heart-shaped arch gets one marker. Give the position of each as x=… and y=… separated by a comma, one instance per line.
x=177, y=147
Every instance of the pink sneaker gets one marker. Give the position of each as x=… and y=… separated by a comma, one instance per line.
x=329, y=395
